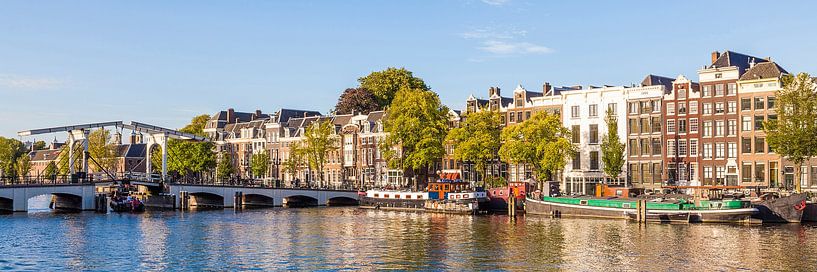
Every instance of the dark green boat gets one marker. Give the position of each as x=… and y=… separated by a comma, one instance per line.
x=658, y=210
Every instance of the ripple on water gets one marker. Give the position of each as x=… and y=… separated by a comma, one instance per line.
x=350, y=239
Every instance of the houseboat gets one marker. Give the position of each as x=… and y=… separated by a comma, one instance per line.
x=675, y=209
x=498, y=197
x=443, y=196
x=774, y=208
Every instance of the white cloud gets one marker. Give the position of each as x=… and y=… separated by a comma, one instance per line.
x=513, y=48
x=496, y=2
x=13, y=81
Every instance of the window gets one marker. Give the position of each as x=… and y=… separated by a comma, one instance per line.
x=745, y=104
x=577, y=161
x=656, y=124
x=645, y=147
x=719, y=128
x=645, y=125
x=707, y=91
x=746, y=172
x=760, y=145
x=693, y=147
x=746, y=145
x=707, y=151
x=646, y=172
x=576, y=133
x=707, y=108
x=707, y=174
x=707, y=128
x=758, y=122
x=635, y=174
x=814, y=176
x=512, y=117
x=746, y=123
x=594, y=160
x=719, y=90
x=671, y=126
x=574, y=111
x=612, y=107
x=682, y=94
x=594, y=110
x=731, y=89
x=527, y=115
x=732, y=106
x=594, y=134
x=670, y=108
x=656, y=105
x=645, y=106
x=719, y=174
x=731, y=150
x=773, y=174
x=719, y=107
x=633, y=108
x=732, y=127
x=682, y=125
x=633, y=124
x=693, y=107
x=670, y=148
x=760, y=172
x=720, y=149
x=682, y=148
x=682, y=108
x=693, y=125
x=693, y=171
x=770, y=102
x=656, y=146
x=633, y=147
x=759, y=103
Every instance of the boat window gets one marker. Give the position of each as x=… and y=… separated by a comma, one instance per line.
x=419, y=196
x=386, y=196
x=626, y=205
x=396, y=196
x=376, y=195
x=583, y=202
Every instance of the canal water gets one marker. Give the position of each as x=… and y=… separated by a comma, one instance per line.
x=353, y=239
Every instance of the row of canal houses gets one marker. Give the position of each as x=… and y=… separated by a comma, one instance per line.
x=677, y=131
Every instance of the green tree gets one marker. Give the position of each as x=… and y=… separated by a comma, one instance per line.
x=259, y=163
x=417, y=124
x=319, y=140
x=62, y=159
x=188, y=157
x=612, y=149
x=793, y=134
x=23, y=166
x=295, y=159
x=225, y=167
x=103, y=150
x=10, y=150
x=385, y=84
x=541, y=142
x=39, y=145
x=50, y=171
x=477, y=139
x=356, y=100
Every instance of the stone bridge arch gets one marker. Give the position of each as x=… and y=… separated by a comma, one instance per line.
x=74, y=197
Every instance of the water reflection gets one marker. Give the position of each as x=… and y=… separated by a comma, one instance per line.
x=321, y=238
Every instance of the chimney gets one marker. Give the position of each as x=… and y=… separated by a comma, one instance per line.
x=493, y=91
x=117, y=138
x=257, y=113
x=715, y=56
x=751, y=62
x=230, y=115
x=546, y=88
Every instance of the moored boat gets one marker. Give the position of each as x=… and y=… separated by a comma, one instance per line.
x=440, y=196
x=673, y=210
x=776, y=209
x=498, y=197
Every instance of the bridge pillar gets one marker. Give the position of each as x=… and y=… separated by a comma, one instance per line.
x=238, y=200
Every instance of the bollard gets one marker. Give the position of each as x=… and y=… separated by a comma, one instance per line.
x=184, y=201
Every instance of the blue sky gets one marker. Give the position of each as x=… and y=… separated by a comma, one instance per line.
x=162, y=62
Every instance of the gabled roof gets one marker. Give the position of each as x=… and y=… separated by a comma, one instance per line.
x=44, y=155
x=376, y=116
x=284, y=115
x=729, y=58
x=654, y=80
x=763, y=70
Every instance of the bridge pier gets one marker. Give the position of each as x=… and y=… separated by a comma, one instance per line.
x=75, y=196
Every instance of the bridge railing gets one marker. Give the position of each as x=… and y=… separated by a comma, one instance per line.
x=68, y=179
x=257, y=183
